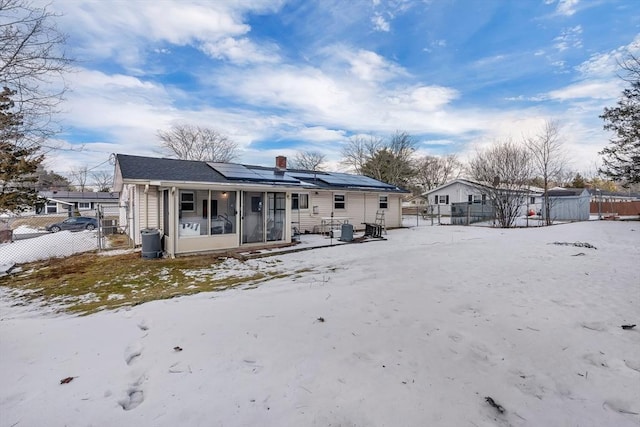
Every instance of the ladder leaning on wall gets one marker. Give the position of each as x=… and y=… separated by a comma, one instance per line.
x=380, y=221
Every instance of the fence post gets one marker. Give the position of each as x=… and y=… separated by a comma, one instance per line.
x=99, y=221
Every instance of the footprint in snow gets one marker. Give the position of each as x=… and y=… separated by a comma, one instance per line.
x=621, y=406
x=132, y=352
x=594, y=326
x=143, y=325
x=633, y=364
x=134, y=398
x=596, y=359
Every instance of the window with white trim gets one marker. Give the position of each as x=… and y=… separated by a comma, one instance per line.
x=383, y=201
x=299, y=201
x=187, y=201
x=441, y=200
x=477, y=198
x=339, y=201
x=84, y=205
x=52, y=207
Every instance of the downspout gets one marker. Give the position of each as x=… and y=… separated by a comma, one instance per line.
x=173, y=224
x=365, y=207
x=158, y=202
x=146, y=206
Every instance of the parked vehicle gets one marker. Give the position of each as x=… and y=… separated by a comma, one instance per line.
x=75, y=223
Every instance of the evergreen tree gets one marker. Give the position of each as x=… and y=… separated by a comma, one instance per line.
x=18, y=164
x=578, y=181
x=392, y=162
x=621, y=158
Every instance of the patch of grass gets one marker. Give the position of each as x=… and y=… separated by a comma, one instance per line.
x=118, y=240
x=87, y=283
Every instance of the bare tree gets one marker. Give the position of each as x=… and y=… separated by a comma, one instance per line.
x=188, y=142
x=631, y=67
x=309, y=160
x=32, y=64
x=548, y=160
x=359, y=150
x=103, y=180
x=505, y=170
x=565, y=177
x=433, y=171
x=79, y=177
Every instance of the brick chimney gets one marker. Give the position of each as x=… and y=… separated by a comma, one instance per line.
x=281, y=164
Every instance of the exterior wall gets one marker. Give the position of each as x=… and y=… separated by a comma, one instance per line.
x=457, y=192
x=359, y=207
x=143, y=210
x=127, y=209
x=146, y=210
x=570, y=208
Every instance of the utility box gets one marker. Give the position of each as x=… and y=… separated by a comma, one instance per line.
x=346, y=233
x=151, y=243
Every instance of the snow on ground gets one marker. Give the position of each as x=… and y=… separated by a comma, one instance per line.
x=417, y=330
x=52, y=245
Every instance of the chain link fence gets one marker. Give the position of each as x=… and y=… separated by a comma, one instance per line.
x=27, y=238
x=470, y=213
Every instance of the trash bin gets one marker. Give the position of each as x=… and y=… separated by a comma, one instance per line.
x=346, y=233
x=151, y=243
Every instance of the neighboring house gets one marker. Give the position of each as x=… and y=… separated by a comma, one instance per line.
x=412, y=202
x=456, y=191
x=568, y=204
x=202, y=206
x=598, y=195
x=463, y=190
x=64, y=202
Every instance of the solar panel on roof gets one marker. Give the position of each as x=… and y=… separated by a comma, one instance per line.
x=235, y=171
x=269, y=175
x=306, y=175
x=353, y=180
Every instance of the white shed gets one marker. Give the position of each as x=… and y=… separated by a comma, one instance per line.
x=568, y=204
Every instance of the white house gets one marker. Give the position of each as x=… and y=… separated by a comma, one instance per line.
x=63, y=202
x=203, y=206
x=463, y=190
x=414, y=202
x=457, y=191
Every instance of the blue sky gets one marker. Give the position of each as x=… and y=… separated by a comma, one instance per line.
x=283, y=76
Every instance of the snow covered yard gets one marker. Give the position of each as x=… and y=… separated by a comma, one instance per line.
x=417, y=330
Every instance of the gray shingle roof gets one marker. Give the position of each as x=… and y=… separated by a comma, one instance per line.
x=150, y=168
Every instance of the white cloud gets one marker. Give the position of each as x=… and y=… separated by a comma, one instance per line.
x=588, y=89
x=369, y=66
x=380, y=24
x=567, y=7
x=240, y=51
x=569, y=38
x=424, y=98
x=125, y=32
x=607, y=64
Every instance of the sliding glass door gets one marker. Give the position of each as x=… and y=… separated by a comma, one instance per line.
x=263, y=222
